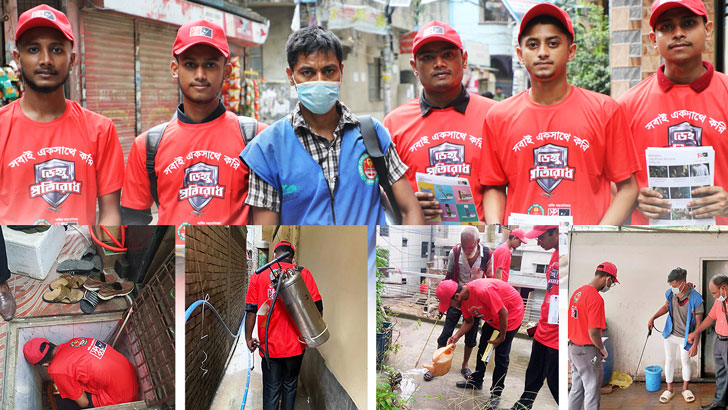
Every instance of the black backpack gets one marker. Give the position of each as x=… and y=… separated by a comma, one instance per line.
x=248, y=130
x=374, y=149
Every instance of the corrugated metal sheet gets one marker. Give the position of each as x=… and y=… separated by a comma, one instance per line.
x=108, y=41
x=159, y=95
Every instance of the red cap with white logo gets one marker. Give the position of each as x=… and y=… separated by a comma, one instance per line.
x=201, y=32
x=661, y=6
x=43, y=16
x=436, y=31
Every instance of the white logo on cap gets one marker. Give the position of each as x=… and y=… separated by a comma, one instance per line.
x=200, y=31
x=43, y=13
x=433, y=30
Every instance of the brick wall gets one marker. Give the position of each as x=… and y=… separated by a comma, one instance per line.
x=632, y=55
x=215, y=266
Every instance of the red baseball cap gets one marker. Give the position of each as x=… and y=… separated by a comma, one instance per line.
x=661, y=6
x=546, y=9
x=436, y=31
x=284, y=243
x=608, y=267
x=43, y=16
x=518, y=233
x=201, y=32
x=445, y=291
x=35, y=349
x=539, y=230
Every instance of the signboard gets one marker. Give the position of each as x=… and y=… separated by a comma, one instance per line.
x=478, y=54
x=179, y=12
x=405, y=43
x=361, y=18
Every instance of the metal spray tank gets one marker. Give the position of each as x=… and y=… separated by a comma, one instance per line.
x=301, y=307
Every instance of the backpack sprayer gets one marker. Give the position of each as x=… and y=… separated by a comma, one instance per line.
x=297, y=299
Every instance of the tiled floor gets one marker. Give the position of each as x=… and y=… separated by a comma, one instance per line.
x=637, y=397
x=29, y=292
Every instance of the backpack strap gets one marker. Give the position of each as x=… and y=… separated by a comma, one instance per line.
x=374, y=149
x=154, y=137
x=484, y=258
x=248, y=128
x=455, y=274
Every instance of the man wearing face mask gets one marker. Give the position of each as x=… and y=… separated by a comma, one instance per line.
x=685, y=307
x=465, y=263
x=311, y=167
x=586, y=351
x=718, y=287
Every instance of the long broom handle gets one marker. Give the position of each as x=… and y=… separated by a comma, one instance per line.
x=427, y=341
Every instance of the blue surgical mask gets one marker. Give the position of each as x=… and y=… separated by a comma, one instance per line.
x=318, y=96
x=675, y=290
x=721, y=298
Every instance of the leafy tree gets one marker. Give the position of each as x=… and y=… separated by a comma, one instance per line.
x=590, y=67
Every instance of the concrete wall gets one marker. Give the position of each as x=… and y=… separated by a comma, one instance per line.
x=632, y=55
x=643, y=261
x=466, y=18
x=215, y=266
x=337, y=258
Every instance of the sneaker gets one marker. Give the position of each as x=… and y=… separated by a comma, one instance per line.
x=493, y=402
x=111, y=290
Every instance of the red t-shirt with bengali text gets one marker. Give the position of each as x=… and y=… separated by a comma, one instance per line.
x=53, y=172
x=200, y=179
x=586, y=311
x=90, y=365
x=487, y=297
x=445, y=142
x=502, y=259
x=677, y=117
x=558, y=160
x=548, y=333
x=284, y=340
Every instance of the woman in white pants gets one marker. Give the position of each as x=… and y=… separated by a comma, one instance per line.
x=685, y=309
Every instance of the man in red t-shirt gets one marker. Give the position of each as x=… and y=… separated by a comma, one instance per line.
x=285, y=348
x=200, y=179
x=440, y=133
x=586, y=350
x=88, y=372
x=544, y=361
x=502, y=254
x=59, y=160
x=682, y=104
x=556, y=147
x=500, y=307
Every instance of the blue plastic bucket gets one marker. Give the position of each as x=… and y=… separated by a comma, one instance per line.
x=652, y=378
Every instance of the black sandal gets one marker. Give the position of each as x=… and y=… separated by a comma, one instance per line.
x=428, y=376
x=466, y=373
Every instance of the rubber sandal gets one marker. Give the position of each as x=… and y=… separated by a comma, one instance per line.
x=89, y=302
x=98, y=266
x=688, y=396
x=74, y=265
x=428, y=376
x=666, y=396
x=466, y=372
x=63, y=295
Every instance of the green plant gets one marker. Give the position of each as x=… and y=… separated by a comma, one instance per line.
x=387, y=398
x=590, y=67
x=382, y=312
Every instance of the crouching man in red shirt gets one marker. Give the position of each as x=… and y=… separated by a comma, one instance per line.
x=88, y=372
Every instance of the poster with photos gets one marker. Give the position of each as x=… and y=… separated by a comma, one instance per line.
x=676, y=173
x=455, y=197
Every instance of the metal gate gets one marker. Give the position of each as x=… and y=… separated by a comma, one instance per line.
x=159, y=96
x=108, y=71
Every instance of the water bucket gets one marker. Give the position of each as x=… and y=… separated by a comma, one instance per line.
x=652, y=378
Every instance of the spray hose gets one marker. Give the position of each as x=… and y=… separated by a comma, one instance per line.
x=120, y=244
x=189, y=311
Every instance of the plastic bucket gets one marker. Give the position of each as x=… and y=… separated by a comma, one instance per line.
x=652, y=378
